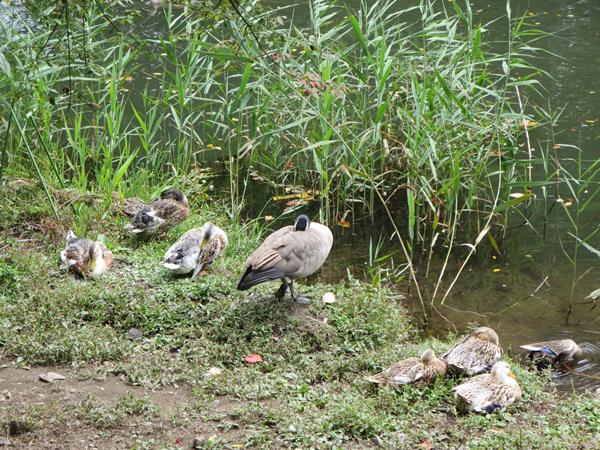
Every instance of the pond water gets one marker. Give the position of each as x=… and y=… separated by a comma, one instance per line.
x=525, y=292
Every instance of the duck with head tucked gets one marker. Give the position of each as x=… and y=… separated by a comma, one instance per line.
x=85, y=257
x=419, y=371
x=558, y=351
x=489, y=392
x=294, y=251
x=161, y=214
x=475, y=353
x=196, y=250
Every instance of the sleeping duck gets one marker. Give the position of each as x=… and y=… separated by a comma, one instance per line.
x=196, y=250
x=489, y=392
x=85, y=257
x=475, y=353
x=555, y=351
x=294, y=251
x=419, y=371
x=160, y=214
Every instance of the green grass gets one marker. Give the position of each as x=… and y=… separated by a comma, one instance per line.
x=309, y=390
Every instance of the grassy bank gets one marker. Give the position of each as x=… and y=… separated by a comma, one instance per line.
x=159, y=391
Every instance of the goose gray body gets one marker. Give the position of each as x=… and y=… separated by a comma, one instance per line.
x=292, y=252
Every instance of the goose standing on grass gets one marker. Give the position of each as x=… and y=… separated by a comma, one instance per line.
x=295, y=251
x=555, y=351
x=85, y=257
x=196, y=250
x=475, y=353
x=161, y=214
x=419, y=371
x=489, y=392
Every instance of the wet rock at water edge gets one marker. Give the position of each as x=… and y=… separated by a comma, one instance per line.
x=134, y=334
x=51, y=377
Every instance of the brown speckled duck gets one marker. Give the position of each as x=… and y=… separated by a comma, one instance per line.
x=475, y=353
x=419, y=371
x=489, y=392
x=554, y=351
x=159, y=215
x=196, y=250
x=85, y=257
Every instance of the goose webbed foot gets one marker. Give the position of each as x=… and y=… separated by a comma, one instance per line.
x=281, y=291
x=296, y=298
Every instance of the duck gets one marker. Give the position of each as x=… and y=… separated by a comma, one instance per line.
x=85, y=257
x=489, y=392
x=475, y=353
x=159, y=215
x=196, y=250
x=292, y=252
x=419, y=371
x=553, y=351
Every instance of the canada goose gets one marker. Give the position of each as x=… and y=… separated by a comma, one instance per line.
x=558, y=351
x=160, y=214
x=294, y=251
x=489, y=392
x=85, y=257
x=420, y=371
x=196, y=249
x=474, y=353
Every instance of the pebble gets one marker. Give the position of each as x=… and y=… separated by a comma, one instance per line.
x=214, y=371
x=51, y=377
x=292, y=429
x=134, y=334
x=199, y=442
x=328, y=297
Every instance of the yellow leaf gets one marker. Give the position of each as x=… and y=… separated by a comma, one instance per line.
x=556, y=146
x=496, y=270
x=267, y=218
x=591, y=120
x=344, y=223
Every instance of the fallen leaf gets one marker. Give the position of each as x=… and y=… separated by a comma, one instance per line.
x=344, y=223
x=268, y=218
x=128, y=78
x=496, y=270
x=426, y=444
x=253, y=358
x=591, y=120
x=556, y=146
x=328, y=297
x=516, y=195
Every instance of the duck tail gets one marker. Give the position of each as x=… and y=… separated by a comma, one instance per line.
x=252, y=278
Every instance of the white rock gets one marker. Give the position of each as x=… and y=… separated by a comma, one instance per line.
x=214, y=371
x=51, y=377
x=328, y=297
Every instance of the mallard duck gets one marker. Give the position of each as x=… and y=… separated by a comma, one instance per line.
x=489, y=392
x=294, y=251
x=420, y=371
x=555, y=351
x=85, y=257
x=196, y=249
x=474, y=353
x=160, y=214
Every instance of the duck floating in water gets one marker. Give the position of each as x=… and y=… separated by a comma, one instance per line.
x=489, y=392
x=196, y=250
x=294, y=251
x=554, y=351
x=159, y=215
x=85, y=257
x=475, y=353
x=419, y=371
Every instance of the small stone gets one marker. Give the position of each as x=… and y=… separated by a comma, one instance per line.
x=328, y=297
x=134, y=334
x=16, y=427
x=51, y=377
x=292, y=429
x=4, y=442
x=214, y=371
x=199, y=442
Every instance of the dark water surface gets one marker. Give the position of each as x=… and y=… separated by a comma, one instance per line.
x=525, y=292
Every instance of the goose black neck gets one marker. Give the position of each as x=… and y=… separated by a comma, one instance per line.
x=302, y=223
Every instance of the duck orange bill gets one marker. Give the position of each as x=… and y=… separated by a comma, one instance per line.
x=512, y=375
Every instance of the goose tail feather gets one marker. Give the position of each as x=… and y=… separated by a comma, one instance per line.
x=252, y=278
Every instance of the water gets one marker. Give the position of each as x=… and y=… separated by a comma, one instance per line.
x=523, y=293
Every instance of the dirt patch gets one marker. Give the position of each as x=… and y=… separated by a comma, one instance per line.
x=73, y=413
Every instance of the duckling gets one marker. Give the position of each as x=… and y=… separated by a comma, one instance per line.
x=294, y=251
x=85, y=257
x=489, y=392
x=161, y=214
x=420, y=371
x=196, y=250
x=555, y=351
x=475, y=353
